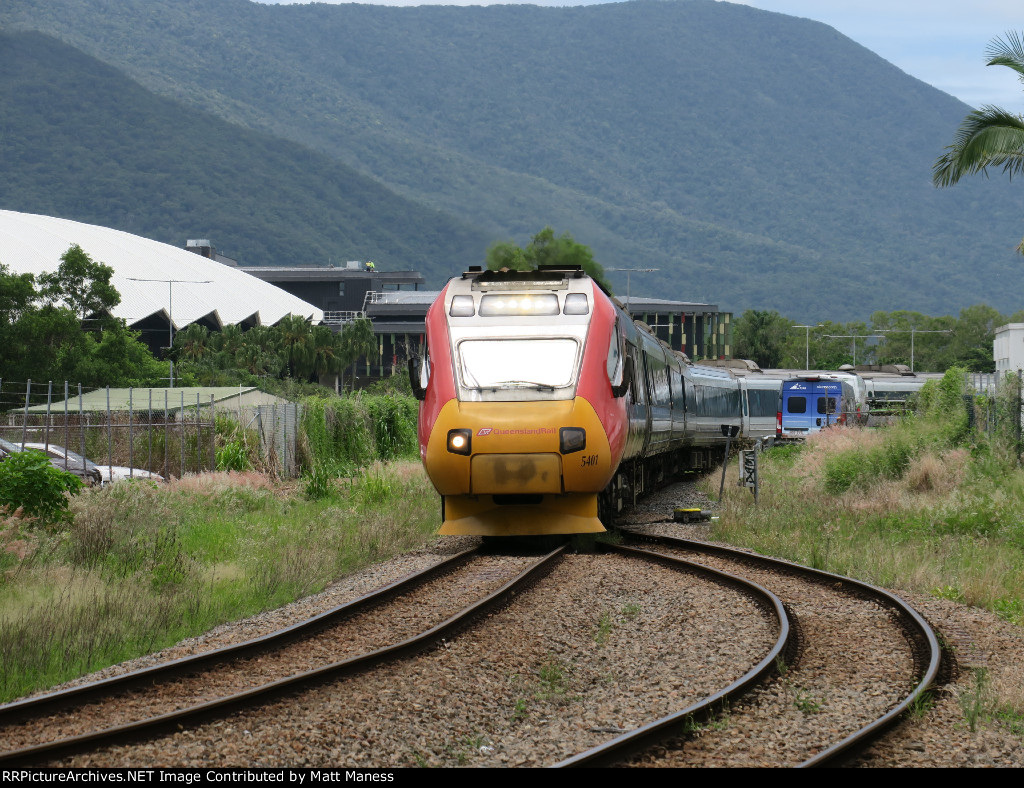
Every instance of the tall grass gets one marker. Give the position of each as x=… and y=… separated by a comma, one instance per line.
x=142, y=566
x=346, y=433
x=926, y=505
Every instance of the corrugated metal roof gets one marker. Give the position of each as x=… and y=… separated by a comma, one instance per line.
x=30, y=243
x=226, y=396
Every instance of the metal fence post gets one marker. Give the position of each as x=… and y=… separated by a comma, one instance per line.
x=213, y=434
x=46, y=425
x=182, y=417
x=110, y=439
x=24, y=421
x=131, y=437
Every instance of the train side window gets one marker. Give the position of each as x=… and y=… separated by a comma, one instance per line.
x=639, y=382
x=425, y=367
x=614, y=366
x=796, y=405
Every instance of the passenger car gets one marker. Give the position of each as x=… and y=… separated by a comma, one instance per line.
x=87, y=472
x=108, y=473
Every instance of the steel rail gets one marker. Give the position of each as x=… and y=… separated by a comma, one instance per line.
x=11, y=713
x=922, y=638
x=639, y=739
x=211, y=709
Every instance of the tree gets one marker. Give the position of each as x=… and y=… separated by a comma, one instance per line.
x=295, y=337
x=80, y=284
x=989, y=136
x=192, y=343
x=761, y=336
x=357, y=339
x=545, y=249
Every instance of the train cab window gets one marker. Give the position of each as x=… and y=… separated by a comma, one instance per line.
x=518, y=363
x=831, y=404
x=796, y=405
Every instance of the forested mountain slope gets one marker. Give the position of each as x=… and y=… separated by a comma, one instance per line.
x=80, y=140
x=755, y=159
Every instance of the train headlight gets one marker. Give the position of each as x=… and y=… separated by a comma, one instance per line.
x=571, y=439
x=462, y=306
x=460, y=441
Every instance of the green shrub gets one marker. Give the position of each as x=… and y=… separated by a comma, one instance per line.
x=233, y=456
x=319, y=482
x=28, y=481
x=350, y=432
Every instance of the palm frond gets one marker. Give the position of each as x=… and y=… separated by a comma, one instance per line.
x=1009, y=53
x=987, y=137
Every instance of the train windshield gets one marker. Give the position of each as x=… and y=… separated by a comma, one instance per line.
x=541, y=363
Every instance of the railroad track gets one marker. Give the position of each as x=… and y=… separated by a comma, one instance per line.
x=833, y=599
x=563, y=600
x=312, y=719
x=204, y=686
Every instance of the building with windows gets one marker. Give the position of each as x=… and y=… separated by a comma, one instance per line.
x=698, y=330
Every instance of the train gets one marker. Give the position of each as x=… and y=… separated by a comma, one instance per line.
x=545, y=409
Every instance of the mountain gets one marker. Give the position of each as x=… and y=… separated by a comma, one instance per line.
x=755, y=159
x=80, y=140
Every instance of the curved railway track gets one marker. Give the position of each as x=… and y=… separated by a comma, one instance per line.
x=922, y=648
x=148, y=703
x=556, y=597
x=203, y=686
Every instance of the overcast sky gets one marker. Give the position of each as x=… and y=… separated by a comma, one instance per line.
x=941, y=42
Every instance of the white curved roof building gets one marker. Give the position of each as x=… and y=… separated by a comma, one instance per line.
x=158, y=283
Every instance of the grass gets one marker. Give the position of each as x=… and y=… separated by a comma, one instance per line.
x=923, y=506
x=142, y=566
x=948, y=524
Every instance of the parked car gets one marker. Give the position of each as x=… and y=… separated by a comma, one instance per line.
x=108, y=473
x=87, y=472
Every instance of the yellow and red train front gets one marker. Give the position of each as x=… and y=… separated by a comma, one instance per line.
x=521, y=452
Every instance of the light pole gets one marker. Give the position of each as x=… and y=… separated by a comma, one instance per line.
x=853, y=343
x=170, y=305
x=629, y=272
x=912, y=332
x=807, y=343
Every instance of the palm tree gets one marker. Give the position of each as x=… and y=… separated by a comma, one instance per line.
x=989, y=136
x=357, y=339
x=193, y=343
x=327, y=358
x=295, y=338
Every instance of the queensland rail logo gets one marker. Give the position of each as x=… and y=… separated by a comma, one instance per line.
x=535, y=431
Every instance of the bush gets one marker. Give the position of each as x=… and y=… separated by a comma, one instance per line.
x=233, y=456
x=350, y=432
x=28, y=481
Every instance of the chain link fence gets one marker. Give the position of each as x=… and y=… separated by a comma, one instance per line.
x=995, y=406
x=141, y=431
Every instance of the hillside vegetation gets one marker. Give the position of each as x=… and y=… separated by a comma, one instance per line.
x=80, y=140
x=757, y=160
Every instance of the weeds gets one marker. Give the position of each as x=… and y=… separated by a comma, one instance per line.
x=807, y=703
x=922, y=705
x=553, y=682
x=977, y=702
x=607, y=623
x=142, y=566
x=604, y=628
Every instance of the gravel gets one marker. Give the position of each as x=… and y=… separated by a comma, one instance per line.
x=603, y=644
x=940, y=735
